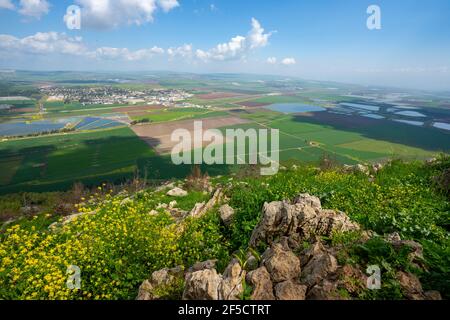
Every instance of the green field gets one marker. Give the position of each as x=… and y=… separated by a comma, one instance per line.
x=279, y=99
x=19, y=109
x=74, y=107
x=53, y=162
x=179, y=114
x=368, y=144
x=56, y=162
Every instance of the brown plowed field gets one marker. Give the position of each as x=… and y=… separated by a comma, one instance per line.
x=158, y=136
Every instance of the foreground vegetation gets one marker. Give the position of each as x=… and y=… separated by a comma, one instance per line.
x=124, y=241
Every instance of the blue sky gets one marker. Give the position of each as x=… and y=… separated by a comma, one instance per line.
x=320, y=39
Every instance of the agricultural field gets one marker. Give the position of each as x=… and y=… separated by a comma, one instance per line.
x=158, y=136
x=74, y=107
x=17, y=109
x=97, y=151
x=56, y=162
x=177, y=114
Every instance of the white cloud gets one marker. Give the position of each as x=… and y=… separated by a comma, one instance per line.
x=7, y=4
x=184, y=51
x=124, y=53
x=272, y=60
x=288, y=61
x=34, y=8
x=168, y=5
x=44, y=43
x=257, y=37
x=238, y=47
x=108, y=14
x=60, y=43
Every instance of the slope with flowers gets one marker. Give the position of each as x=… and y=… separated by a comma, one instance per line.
x=117, y=241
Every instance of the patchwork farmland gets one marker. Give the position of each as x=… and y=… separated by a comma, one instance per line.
x=96, y=152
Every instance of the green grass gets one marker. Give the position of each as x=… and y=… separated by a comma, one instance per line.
x=122, y=244
x=402, y=199
x=367, y=144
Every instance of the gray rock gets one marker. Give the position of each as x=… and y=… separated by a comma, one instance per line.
x=177, y=192
x=377, y=167
x=411, y=286
x=199, y=266
x=207, y=284
x=172, y=204
x=162, y=206
x=70, y=219
x=197, y=210
x=432, y=295
x=231, y=287
x=159, y=279
x=318, y=268
x=202, y=208
x=262, y=284
x=290, y=290
x=308, y=200
x=326, y=290
x=300, y=221
x=281, y=264
x=226, y=214
x=252, y=262
x=202, y=285
x=362, y=169
x=315, y=249
x=145, y=291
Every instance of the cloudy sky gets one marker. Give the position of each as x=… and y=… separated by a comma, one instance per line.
x=320, y=39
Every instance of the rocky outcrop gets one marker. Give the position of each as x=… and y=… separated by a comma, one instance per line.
x=412, y=288
x=207, y=284
x=326, y=290
x=232, y=285
x=289, y=290
x=262, y=284
x=300, y=220
x=282, y=264
x=160, y=280
x=296, y=265
x=199, y=266
x=201, y=208
x=226, y=214
x=69, y=219
x=202, y=285
x=318, y=268
x=177, y=192
x=377, y=167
